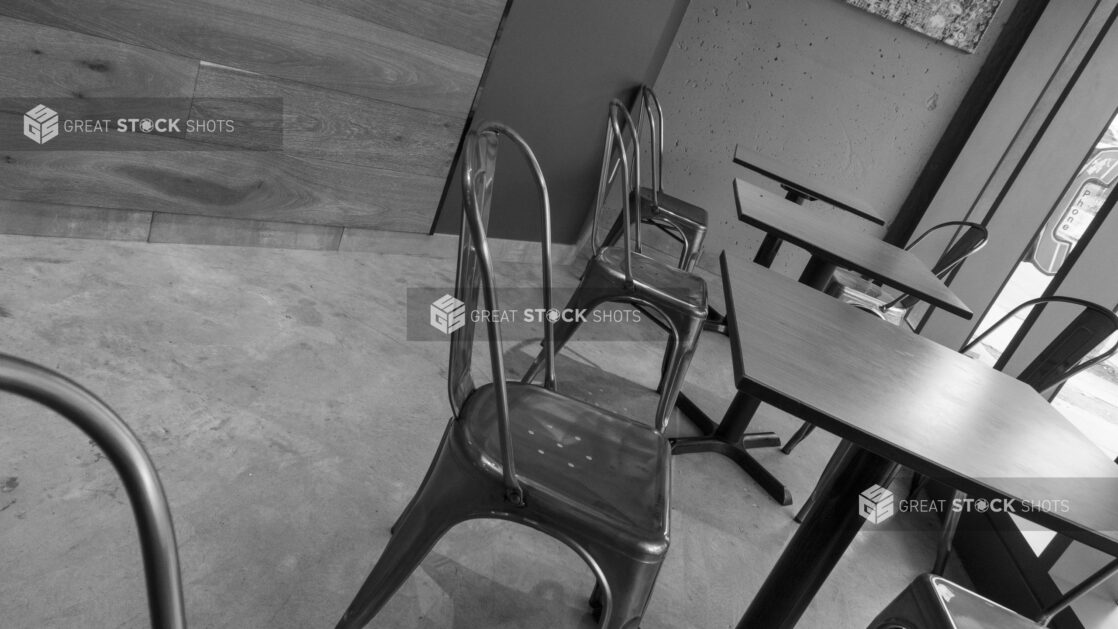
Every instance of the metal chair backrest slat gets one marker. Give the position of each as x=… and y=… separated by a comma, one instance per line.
x=1064, y=356
x=971, y=238
x=475, y=273
x=651, y=107
x=617, y=123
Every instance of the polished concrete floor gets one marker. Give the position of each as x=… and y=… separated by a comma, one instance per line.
x=291, y=419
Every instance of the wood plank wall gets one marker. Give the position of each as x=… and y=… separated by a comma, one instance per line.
x=375, y=99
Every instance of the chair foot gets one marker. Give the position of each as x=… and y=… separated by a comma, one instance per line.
x=799, y=436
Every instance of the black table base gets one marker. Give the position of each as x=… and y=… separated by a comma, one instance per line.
x=729, y=439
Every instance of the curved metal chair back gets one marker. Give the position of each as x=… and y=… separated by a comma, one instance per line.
x=651, y=107
x=1064, y=356
x=475, y=271
x=630, y=180
x=131, y=461
x=972, y=238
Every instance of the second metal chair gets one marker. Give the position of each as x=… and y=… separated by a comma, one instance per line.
x=678, y=299
x=1062, y=358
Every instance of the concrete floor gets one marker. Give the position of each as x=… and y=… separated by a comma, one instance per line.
x=291, y=420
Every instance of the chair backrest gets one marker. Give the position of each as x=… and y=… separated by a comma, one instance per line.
x=1065, y=355
x=651, y=107
x=616, y=156
x=475, y=272
x=970, y=238
x=127, y=454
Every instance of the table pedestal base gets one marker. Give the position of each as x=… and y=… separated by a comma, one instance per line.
x=729, y=439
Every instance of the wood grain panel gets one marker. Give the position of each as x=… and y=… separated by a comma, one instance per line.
x=446, y=246
x=335, y=127
x=282, y=38
x=44, y=62
x=234, y=184
x=464, y=24
x=42, y=219
x=208, y=230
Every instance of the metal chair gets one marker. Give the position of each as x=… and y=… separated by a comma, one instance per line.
x=869, y=296
x=684, y=222
x=131, y=461
x=866, y=295
x=592, y=479
x=1061, y=359
x=676, y=298
x=932, y=602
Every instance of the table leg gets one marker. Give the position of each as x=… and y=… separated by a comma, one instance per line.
x=817, y=274
x=770, y=246
x=818, y=544
x=766, y=253
x=729, y=439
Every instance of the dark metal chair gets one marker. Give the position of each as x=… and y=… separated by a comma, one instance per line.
x=932, y=602
x=592, y=479
x=866, y=295
x=677, y=299
x=684, y=222
x=131, y=461
x=870, y=296
x=1061, y=359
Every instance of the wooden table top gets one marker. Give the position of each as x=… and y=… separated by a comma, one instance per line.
x=798, y=180
x=846, y=248
x=919, y=403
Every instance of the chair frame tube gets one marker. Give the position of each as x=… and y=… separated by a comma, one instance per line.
x=141, y=482
x=477, y=232
x=630, y=179
x=1046, y=300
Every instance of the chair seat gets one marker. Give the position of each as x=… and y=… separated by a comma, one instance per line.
x=660, y=282
x=932, y=602
x=616, y=471
x=676, y=209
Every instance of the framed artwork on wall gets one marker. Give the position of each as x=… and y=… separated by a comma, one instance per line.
x=958, y=23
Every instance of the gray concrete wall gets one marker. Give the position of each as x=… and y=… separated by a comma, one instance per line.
x=845, y=95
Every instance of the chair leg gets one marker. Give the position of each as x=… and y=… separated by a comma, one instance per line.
x=629, y=584
x=693, y=249
x=676, y=368
x=947, y=535
x=669, y=358
x=801, y=434
x=584, y=297
x=615, y=231
x=447, y=497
